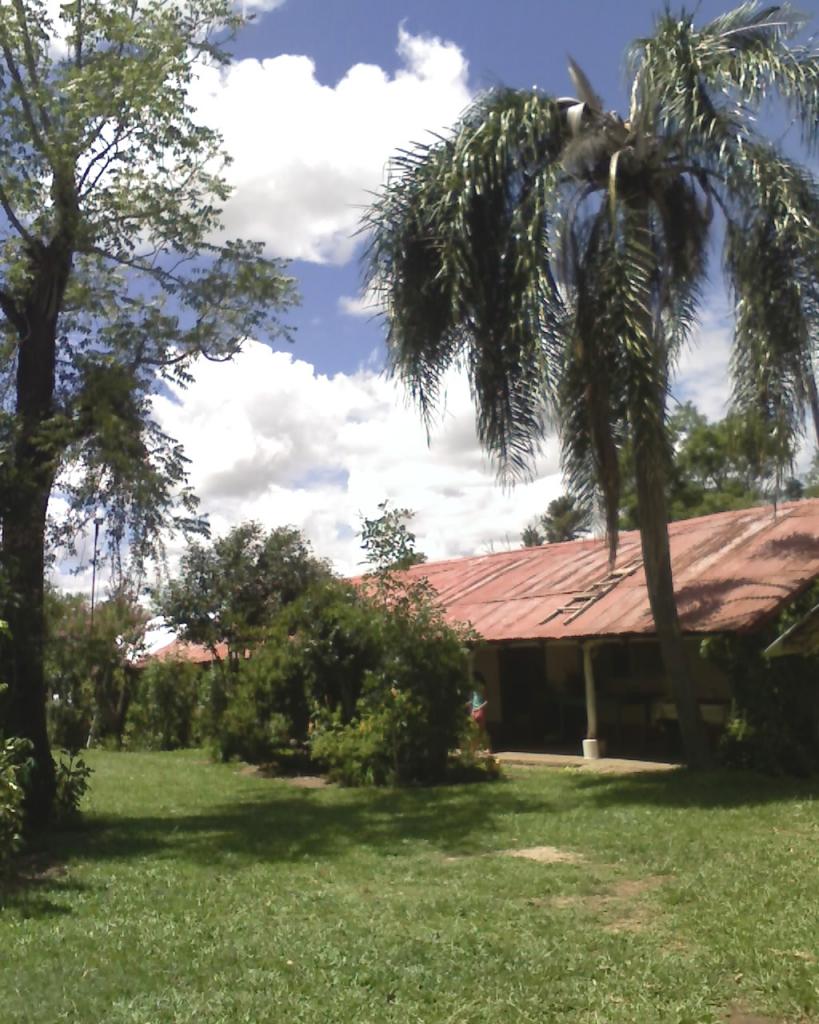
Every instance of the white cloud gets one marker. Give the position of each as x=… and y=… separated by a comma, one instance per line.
x=307, y=156
x=271, y=439
x=703, y=375
x=250, y=6
x=359, y=305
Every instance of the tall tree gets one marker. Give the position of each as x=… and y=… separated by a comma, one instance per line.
x=229, y=590
x=90, y=664
x=564, y=519
x=387, y=540
x=716, y=466
x=110, y=280
x=558, y=250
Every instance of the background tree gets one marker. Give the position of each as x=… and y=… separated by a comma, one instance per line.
x=563, y=520
x=387, y=540
x=230, y=589
x=110, y=195
x=559, y=251
x=90, y=665
x=716, y=467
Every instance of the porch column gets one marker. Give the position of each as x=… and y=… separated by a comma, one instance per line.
x=591, y=747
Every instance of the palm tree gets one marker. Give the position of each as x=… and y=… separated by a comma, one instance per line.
x=563, y=520
x=558, y=252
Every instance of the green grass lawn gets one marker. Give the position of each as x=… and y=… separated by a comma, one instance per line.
x=195, y=893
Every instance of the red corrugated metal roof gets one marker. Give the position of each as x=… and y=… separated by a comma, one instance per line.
x=731, y=572
x=178, y=650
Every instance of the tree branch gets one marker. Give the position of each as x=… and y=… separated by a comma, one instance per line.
x=28, y=112
x=15, y=221
x=31, y=63
x=12, y=312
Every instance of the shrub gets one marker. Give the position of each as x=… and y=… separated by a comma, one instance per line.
x=68, y=723
x=165, y=712
x=371, y=679
x=411, y=711
x=72, y=775
x=773, y=725
x=88, y=668
x=335, y=638
x=315, y=654
x=356, y=753
x=14, y=762
x=258, y=705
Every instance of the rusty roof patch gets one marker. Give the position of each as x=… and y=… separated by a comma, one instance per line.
x=732, y=571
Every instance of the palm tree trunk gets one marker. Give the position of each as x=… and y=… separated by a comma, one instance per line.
x=653, y=508
x=813, y=397
x=650, y=460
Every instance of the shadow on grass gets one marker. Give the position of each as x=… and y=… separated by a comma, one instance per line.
x=284, y=824
x=718, y=789
x=38, y=893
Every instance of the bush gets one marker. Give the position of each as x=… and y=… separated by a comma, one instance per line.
x=72, y=775
x=412, y=709
x=88, y=669
x=774, y=725
x=166, y=709
x=372, y=680
x=335, y=637
x=68, y=724
x=356, y=753
x=258, y=705
x=314, y=655
x=14, y=762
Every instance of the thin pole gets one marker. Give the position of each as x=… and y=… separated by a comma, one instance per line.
x=97, y=522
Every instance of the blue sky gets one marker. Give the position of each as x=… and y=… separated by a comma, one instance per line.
x=517, y=43
x=321, y=93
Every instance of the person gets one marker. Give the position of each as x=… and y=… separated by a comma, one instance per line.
x=478, y=701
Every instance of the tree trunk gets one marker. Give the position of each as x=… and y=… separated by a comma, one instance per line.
x=33, y=461
x=650, y=460
x=813, y=397
x=123, y=703
x=660, y=585
x=23, y=543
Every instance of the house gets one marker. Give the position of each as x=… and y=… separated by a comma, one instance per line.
x=179, y=650
x=570, y=652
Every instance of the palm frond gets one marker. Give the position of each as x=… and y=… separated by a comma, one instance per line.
x=776, y=298
x=751, y=23
x=403, y=268
x=748, y=51
x=701, y=81
x=683, y=219
x=460, y=255
x=635, y=287
x=771, y=260
x=583, y=86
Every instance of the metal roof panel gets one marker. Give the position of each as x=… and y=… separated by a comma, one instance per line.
x=731, y=570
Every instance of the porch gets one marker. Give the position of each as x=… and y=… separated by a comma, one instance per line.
x=601, y=765
x=548, y=696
